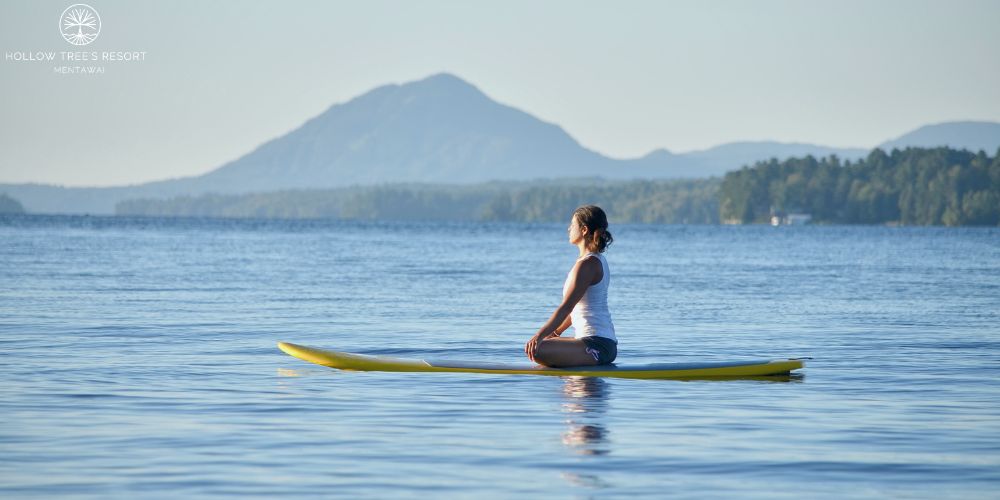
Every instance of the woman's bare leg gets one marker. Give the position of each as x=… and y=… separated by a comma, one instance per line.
x=559, y=352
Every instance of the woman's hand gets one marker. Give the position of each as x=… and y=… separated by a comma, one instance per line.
x=532, y=346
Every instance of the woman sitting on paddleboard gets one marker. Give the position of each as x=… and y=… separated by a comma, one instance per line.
x=584, y=304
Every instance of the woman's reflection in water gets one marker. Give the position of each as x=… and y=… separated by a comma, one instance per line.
x=586, y=402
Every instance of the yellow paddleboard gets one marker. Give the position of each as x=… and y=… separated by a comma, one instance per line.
x=362, y=362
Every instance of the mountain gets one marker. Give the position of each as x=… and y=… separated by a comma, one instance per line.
x=436, y=130
x=974, y=136
x=443, y=129
x=9, y=205
x=440, y=129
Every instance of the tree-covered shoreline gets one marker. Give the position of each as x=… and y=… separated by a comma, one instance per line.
x=666, y=202
x=939, y=186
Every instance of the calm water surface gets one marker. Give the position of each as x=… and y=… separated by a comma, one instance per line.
x=139, y=359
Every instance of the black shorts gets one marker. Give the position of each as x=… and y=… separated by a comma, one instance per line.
x=603, y=349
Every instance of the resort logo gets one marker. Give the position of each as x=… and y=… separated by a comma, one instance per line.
x=80, y=24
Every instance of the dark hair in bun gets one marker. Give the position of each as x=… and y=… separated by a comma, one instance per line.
x=596, y=221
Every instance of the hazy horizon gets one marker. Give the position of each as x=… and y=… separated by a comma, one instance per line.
x=221, y=78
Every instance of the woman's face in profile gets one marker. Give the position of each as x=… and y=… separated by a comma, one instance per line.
x=575, y=231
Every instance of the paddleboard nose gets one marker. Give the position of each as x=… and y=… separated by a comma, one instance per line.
x=286, y=347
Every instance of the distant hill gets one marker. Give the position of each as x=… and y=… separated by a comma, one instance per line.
x=973, y=136
x=436, y=130
x=9, y=205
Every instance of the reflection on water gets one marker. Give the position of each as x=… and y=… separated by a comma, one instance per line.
x=585, y=405
x=285, y=372
x=585, y=480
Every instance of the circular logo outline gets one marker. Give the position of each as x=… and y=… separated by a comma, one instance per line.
x=79, y=18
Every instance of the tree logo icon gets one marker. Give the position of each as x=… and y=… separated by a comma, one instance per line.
x=80, y=24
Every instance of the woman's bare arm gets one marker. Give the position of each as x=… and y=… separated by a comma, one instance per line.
x=563, y=327
x=584, y=274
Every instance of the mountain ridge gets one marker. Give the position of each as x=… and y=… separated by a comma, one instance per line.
x=439, y=129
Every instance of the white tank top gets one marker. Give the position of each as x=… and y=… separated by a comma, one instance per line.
x=591, y=316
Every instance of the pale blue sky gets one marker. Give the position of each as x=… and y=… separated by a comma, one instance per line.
x=623, y=78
